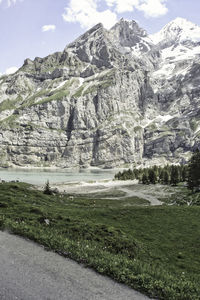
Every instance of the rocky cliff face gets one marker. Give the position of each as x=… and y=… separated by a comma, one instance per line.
x=111, y=98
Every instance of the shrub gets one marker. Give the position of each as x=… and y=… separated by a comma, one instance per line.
x=47, y=189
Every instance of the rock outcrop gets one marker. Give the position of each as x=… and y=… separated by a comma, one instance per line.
x=111, y=98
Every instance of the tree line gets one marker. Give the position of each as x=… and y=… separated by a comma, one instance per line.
x=169, y=174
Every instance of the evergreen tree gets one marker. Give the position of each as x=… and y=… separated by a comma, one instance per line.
x=145, y=179
x=156, y=171
x=152, y=176
x=166, y=177
x=118, y=175
x=175, y=177
x=169, y=174
x=136, y=172
x=184, y=173
x=161, y=176
x=193, y=181
x=47, y=189
x=140, y=174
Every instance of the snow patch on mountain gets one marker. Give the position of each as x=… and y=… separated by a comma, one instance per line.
x=177, y=30
x=179, y=44
x=60, y=85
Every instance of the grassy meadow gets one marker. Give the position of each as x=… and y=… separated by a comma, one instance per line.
x=155, y=250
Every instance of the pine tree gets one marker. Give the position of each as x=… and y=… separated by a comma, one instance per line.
x=161, y=176
x=47, y=189
x=152, y=176
x=184, y=173
x=175, y=176
x=166, y=178
x=193, y=181
x=145, y=179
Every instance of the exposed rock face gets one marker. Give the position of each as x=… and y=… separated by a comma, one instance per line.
x=111, y=98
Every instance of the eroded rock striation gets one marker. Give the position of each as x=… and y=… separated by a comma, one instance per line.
x=112, y=98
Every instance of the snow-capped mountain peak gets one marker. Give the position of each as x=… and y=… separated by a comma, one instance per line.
x=179, y=45
x=178, y=30
x=181, y=23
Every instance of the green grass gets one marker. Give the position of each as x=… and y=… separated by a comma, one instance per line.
x=60, y=95
x=78, y=93
x=10, y=104
x=9, y=122
x=113, y=192
x=152, y=249
x=180, y=196
x=57, y=95
x=7, y=105
x=93, y=88
x=31, y=100
x=138, y=128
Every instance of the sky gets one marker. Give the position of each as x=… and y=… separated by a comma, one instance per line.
x=32, y=28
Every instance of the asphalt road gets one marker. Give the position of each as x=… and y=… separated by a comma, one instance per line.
x=28, y=272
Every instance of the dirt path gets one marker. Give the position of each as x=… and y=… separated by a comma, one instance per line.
x=28, y=272
x=131, y=193
x=130, y=188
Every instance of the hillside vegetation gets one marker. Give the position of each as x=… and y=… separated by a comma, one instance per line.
x=152, y=249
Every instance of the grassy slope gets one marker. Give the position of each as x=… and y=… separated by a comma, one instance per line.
x=153, y=249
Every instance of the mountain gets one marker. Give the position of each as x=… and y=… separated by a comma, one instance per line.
x=112, y=98
x=178, y=31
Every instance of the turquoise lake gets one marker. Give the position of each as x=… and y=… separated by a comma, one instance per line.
x=40, y=176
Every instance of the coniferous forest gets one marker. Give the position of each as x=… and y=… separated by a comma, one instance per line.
x=169, y=174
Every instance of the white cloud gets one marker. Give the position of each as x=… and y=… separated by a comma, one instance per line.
x=153, y=8
x=48, y=28
x=86, y=12
x=11, y=70
x=10, y=2
x=121, y=6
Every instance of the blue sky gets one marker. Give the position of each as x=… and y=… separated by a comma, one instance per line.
x=30, y=28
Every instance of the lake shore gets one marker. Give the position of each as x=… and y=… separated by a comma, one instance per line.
x=113, y=189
